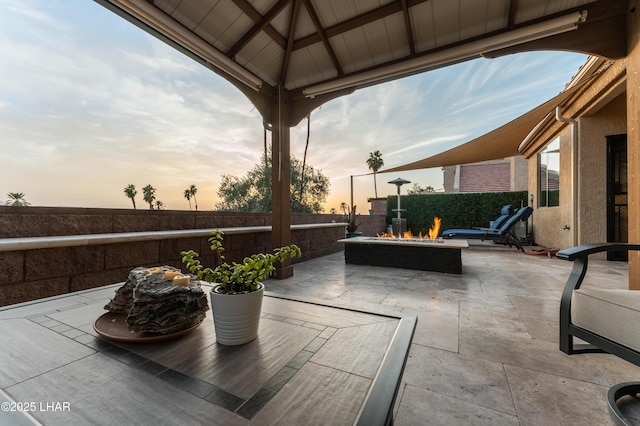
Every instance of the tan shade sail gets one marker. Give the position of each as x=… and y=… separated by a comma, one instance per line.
x=502, y=142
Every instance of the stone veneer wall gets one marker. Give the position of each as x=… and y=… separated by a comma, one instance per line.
x=372, y=225
x=49, y=221
x=36, y=273
x=378, y=206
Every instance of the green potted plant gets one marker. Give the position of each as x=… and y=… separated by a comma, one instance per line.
x=353, y=224
x=236, y=297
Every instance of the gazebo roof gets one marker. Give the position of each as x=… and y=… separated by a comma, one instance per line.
x=327, y=48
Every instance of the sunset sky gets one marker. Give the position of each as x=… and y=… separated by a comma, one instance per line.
x=89, y=103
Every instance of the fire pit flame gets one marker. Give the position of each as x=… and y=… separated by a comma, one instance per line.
x=433, y=233
x=435, y=229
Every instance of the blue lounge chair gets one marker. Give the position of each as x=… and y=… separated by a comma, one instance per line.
x=505, y=233
x=505, y=213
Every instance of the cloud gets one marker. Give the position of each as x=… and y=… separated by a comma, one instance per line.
x=91, y=103
x=16, y=11
x=429, y=143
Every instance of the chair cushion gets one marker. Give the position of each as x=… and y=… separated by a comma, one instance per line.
x=505, y=213
x=614, y=314
x=506, y=210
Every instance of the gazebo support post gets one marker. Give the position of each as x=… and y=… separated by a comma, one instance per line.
x=633, y=147
x=281, y=178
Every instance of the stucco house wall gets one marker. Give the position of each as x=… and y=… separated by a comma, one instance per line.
x=519, y=175
x=600, y=110
x=608, y=121
x=549, y=223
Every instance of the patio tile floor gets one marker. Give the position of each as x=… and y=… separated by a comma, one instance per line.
x=484, y=352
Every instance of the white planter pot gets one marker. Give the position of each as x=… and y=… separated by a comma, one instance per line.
x=236, y=317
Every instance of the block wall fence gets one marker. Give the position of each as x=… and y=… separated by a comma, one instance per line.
x=48, y=251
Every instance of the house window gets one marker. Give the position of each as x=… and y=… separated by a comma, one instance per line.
x=549, y=175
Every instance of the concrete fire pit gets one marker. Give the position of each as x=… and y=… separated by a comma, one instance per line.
x=407, y=253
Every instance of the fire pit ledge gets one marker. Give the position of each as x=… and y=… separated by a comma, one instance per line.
x=419, y=254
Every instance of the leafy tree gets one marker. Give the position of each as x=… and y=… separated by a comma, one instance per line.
x=374, y=162
x=17, y=199
x=149, y=195
x=187, y=195
x=192, y=193
x=131, y=192
x=252, y=192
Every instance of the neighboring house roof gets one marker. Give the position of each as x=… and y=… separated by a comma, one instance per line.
x=492, y=177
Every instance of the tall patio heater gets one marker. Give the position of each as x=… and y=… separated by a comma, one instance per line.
x=398, y=224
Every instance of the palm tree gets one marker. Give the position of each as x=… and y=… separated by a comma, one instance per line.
x=149, y=195
x=344, y=207
x=17, y=199
x=130, y=192
x=192, y=193
x=374, y=162
x=187, y=195
x=159, y=205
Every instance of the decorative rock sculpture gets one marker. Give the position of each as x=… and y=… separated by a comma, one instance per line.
x=160, y=300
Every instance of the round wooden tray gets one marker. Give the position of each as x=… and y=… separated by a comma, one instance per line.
x=114, y=326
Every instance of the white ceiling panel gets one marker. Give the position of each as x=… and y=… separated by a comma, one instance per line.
x=190, y=13
x=305, y=24
x=282, y=22
x=535, y=9
x=447, y=24
x=333, y=12
x=167, y=5
x=309, y=66
x=473, y=17
x=265, y=58
x=497, y=15
x=352, y=50
x=398, y=35
x=224, y=25
x=424, y=31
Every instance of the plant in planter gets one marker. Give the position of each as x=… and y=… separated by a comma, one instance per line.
x=237, y=293
x=353, y=224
